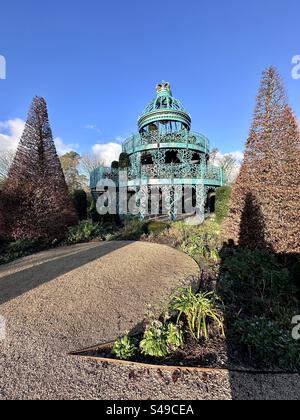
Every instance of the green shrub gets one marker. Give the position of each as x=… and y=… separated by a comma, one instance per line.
x=155, y=227
x=93, y=213
x=256, y=283
x=13, y=250
x=125, y=348
x=202, y=242
x=133, y=229
x=161, y=339
x=79, y=198
x=199, y=309
x=268, y=342
x=115, y=165
x=84, y=232
x=223, y=196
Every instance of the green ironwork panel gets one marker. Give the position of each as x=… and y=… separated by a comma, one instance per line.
x=180, y=139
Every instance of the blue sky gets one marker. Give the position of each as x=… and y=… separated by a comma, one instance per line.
x=97, y=62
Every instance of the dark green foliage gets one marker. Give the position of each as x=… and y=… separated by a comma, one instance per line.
x=223, y=195
x=110, y=221
x=115, y=165
x=124, y=161
x=269, y=342
x=255, y=283
x=93, y=213
x=21, y=248
x=260, y=296
x=133, y=229
x=80, y=202
x=85, y=232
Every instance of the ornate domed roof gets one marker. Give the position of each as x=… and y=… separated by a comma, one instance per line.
x=164, y=107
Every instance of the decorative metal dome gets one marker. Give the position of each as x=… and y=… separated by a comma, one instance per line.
x=164, y=109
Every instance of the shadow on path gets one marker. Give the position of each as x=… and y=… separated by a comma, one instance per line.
x=51, y=267
x=260, y=290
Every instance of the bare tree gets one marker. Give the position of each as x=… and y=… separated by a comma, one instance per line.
x=230, y=166
x=89, y=162
x=35, y=203
x=228, y=162
x=6, y=160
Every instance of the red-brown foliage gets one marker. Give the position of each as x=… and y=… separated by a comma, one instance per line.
x=269, y=177
x=34, y=201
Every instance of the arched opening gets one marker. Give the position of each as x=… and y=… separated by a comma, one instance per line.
x=196, y=158
x=147, y=159
x=171, y=157
x=212, y=202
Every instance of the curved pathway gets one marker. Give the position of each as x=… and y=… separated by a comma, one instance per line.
x=69, y=298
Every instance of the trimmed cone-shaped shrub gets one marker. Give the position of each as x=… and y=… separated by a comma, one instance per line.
x=34, y=202
x=270, y=175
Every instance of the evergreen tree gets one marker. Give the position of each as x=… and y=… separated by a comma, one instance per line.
x=270, y=174
x=35, y=203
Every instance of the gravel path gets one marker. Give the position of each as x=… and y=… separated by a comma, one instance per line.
x=69, y=298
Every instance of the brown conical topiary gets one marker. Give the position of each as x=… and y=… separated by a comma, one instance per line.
x=35, y=203
x=270, y=174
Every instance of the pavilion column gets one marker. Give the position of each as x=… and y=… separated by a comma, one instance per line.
x=201, y=195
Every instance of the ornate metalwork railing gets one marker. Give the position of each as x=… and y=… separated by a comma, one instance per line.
x=101, y=174
x=137, y=141
x=181, y=171
x=203, y=172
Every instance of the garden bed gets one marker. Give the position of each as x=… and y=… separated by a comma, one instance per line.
x=212, y=354
x=193, y=358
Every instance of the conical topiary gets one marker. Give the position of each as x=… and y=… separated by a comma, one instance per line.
x=35, y=203
x=270, y=174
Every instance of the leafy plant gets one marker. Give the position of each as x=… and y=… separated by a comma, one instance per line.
x=84, y=231
x=202, y=242
x=133, y=230
x=256, y=283
x=13, y=250
x=199, y=309
x=161, y=339
x=268, y=342
x=125, y=348
x=174, y=336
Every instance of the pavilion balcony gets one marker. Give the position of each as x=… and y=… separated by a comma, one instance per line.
x=179, y=139
x=177, y=173
x=180, y=171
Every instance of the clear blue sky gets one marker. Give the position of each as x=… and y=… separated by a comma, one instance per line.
x=97, y=62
